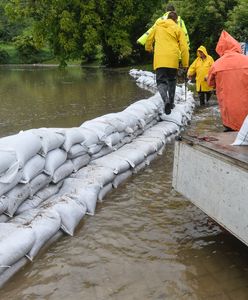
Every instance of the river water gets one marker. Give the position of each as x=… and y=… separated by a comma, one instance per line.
x=145, y=241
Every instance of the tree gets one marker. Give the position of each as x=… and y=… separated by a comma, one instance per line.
x=205, y=20
x=75, y=28
x=237, y=23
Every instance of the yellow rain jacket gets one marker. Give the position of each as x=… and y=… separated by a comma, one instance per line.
x=200, y=68
x=180, y=22
x=168, y=40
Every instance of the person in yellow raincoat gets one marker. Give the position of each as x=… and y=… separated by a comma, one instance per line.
x=169, y=43
x=200, y=67
x=170, y=7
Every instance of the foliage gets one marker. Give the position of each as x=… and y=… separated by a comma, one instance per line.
x=237, y=24
x=108, y=29
x=4, y=57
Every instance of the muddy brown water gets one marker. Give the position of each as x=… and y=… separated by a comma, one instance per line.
x=145, y=241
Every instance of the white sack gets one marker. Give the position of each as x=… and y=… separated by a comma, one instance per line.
x=15, y=197
x=104, y=151
x=54, y=159
x=32, y=168
x=3, y=205
x=95, y=175
x=39, y=182
x=39, y=197
x=15, y=242
x=25, y=144
x=72, y=136
x=242, y=136
x=5, y=187
x=120, y=178
x=71, y=212
x=80, y=161
x=116, y=163
x=50, y=139
x=84, y=194
x=104, y=191
x=132, y=157
x=63, y=171
x=4, y=218
x=9, y=165
x=77, y=150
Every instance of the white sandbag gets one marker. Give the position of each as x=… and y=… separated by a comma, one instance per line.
x=5, y=187
x=32, y=168
x=63, y=171
x=101, y=128
x=84, y=194
x=80, y=161
x=3, y=205
x=167, y=127
x=154, y=133
x=143, y=146
x=44, y=224
x=104, y=191
x=104, y=151
x=242, y=136
x=15, y=197
x=132, y=121
x=175, y=116
x=50, y=139
x=94, y=148
x=151, y=157
x=77, y=150
x=54, y=159
x=9, y=175
x=120, y=178
x=39, y=182
x=118, y=124
x=70, y=210
x=140, y=115
x=140, y=166
x=25, y=144
x=155, y=142
x=72, y=136
x=151, y=124
x=8, y=158
x=39, y=197
x=4, y=218
x=112, y=139
x=94, y=174
x=116, y=163
x=90, y=137
x=132, y=157
x=15, y=242
x=124, y=141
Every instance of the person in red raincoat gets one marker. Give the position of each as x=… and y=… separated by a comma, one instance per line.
x=229, y=74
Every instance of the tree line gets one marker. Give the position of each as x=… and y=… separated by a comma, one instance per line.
x=107, y=30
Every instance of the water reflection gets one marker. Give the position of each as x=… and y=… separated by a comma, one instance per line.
x=145, y=241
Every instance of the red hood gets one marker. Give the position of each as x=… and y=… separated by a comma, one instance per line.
x=227, y=43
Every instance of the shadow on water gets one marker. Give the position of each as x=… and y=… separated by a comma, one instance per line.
x=145, y=240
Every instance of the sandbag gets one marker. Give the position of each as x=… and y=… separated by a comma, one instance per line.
x=3, y=205
x=116, y=163
x=4, y=218
x=5, y=187
x=80, y=161
x=63, y=171
x=132, y=157
x=104, y=191
x=9, y=165
x=120, y=178
x=118, y=124
x=101, y=128
x=15, y=242
x=77, y=150
x=32, y=168
x=50, y=139
x=72, y=136
x=15, y=197
x=44, y=224
x=39, y=197
x=54, y=159
x=25, y=144
x=104, y=151
x=84, y=194
x=70, y=210
x=39, y=182
x=93, y=174
x=242, y=136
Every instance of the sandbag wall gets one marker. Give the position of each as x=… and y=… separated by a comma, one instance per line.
x=51, y=177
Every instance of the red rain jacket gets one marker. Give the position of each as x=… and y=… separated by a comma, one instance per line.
x=229, y=74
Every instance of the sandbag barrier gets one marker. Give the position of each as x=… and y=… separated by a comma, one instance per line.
x=50, y=178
